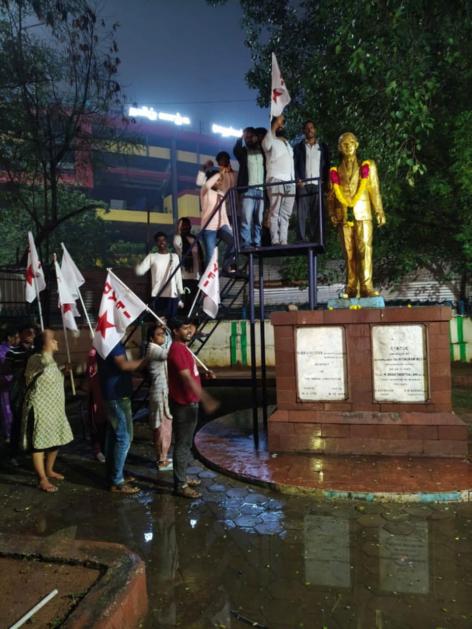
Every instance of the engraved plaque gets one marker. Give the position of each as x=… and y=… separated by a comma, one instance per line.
x=400, y=369
x=321, y=363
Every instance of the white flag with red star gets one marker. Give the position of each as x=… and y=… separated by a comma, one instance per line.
x=280, y=97
x=118, y=309
x=66, y=300
x=34, y=276
x=209, y=284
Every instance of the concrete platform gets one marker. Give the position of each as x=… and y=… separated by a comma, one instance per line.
x=226, y=445
x=113, y=591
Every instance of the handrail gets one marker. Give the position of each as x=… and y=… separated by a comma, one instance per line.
x=229, y=194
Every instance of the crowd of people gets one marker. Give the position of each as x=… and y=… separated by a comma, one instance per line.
x=272, y=179
x=33, y=406
x=272, y=176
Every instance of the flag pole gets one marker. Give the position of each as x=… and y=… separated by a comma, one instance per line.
x=92, y=333
x=40, y=308
x=66, y=339
x=151, y=312
x=194, y=303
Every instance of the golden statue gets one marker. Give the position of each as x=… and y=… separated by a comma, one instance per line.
x=353, y=198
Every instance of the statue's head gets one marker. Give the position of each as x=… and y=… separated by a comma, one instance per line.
x=348, y=144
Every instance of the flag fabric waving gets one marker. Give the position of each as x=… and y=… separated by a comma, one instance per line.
x=71, y=274
x=118, y=309
x=280, y=97
x=34, y=276
x=209, y=284
x=66, y=300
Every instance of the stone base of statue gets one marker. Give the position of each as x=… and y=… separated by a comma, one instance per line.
x=368, y=381
x=362, y=302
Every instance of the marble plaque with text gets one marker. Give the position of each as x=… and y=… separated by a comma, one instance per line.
x=321, y=363
x=399, y=363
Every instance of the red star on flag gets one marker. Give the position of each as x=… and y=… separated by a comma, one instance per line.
x=275, y=94
x=103, y=324
x=29, y=275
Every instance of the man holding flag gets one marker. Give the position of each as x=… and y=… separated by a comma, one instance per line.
x=118, y=309
x=279, y=162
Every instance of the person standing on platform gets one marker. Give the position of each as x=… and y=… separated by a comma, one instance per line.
x=191, y=257
x=311, y=162
x=218, y=226
x=185, y=393
x=114, y=372
x=228, y=177
x=251, y=173
x=280, y=172
x=162, y=266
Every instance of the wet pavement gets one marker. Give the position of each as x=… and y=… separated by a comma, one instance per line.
x=226, y=444
x=247, y=556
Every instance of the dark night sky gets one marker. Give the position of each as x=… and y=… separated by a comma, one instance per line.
x=175, y=52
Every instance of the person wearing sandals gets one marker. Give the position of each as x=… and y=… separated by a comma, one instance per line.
x=44, y=423
x=160, y=417
x=185, y=393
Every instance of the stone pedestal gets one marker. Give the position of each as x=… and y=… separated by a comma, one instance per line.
x=371, y=381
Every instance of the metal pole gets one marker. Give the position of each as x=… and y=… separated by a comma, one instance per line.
x=252, y=325
x=311, y=296
x=234, y=218
x=320, y=212
x=315, y=280
x=262, y=337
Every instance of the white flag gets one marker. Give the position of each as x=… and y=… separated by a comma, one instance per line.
x=34, y=272
x=280, y=97
x=118, y=309
x=71, y=274
x=209, y=284
x=66, y=300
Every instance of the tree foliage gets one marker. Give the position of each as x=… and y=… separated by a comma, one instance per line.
x=58, y=67
x=397, y=74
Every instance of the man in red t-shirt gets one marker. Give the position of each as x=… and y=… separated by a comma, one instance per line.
x=185, y=392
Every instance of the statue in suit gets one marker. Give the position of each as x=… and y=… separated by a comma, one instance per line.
x=353, y=202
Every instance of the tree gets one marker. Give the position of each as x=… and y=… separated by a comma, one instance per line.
x=58, y=66
x=398, y=75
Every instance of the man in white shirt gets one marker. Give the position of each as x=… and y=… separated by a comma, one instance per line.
x=162, y=265
x=280, y=169
x=311, y=162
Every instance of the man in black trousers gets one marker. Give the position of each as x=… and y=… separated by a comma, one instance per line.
x=312, y=161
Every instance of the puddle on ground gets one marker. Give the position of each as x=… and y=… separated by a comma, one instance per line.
x=246, y=556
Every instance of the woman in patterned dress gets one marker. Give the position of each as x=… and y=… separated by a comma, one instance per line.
x=160, y=418
x=45, y=426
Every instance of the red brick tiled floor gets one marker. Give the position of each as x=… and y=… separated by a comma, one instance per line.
x=227, y=445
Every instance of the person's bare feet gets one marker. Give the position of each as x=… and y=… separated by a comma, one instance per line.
x=55, y=475
x=45, y=485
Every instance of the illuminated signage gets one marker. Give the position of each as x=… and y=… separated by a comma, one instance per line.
x=226, y=132
x=151, y=114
